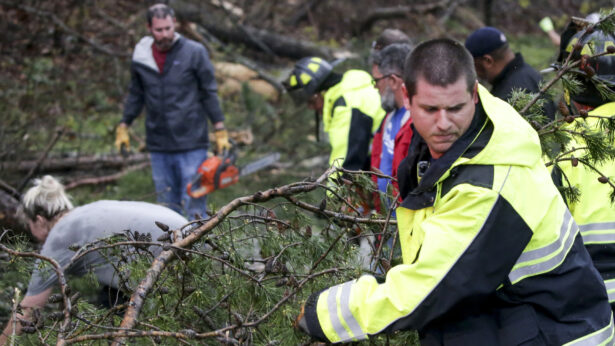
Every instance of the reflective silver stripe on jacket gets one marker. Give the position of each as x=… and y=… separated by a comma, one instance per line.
x=600, y=337
x=610, y=285
x=600, y=237
x=559, y=248
x=346, y=315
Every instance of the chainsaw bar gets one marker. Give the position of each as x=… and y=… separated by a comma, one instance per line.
x=259, y=164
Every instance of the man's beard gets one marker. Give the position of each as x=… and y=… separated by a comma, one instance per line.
x=164, y=44
x=387, y=100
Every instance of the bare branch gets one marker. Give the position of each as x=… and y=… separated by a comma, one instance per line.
x=61, y=280
x=40, y=160
x=97, y=46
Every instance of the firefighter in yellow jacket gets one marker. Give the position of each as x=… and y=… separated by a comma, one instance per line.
x=593, y=210
x=491, y=254
x=348, y=104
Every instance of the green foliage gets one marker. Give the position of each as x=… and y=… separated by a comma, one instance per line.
x=605, y=91
x=606, y=25
x=572, y=84
x=250, y=262
x=537, y=50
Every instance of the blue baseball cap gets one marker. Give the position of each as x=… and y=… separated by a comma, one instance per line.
x=484, y=41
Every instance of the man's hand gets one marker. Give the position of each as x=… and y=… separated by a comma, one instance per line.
x=222, y=142
x=122, y=140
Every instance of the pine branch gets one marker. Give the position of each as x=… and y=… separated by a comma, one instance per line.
x=61, y=280
x=567, y=66
x=138, y=297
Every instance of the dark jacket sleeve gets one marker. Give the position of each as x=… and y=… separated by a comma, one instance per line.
x=136, y=97
x=207, y=86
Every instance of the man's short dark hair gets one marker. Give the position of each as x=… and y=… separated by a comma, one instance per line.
x=391, y=59
x=160, y=11
x=388, y=37
x=501, y=53
x=440, y=62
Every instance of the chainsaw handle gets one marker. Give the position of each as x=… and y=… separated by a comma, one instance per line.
x=228, y=159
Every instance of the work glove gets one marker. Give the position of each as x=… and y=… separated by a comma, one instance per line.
x=222, y=142
x=122, y=140
x=546, y=24
x=300, y=322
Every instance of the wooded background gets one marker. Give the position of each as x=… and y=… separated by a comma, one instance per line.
x=64, y=72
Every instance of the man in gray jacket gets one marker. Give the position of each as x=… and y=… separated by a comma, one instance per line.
x=173, y=78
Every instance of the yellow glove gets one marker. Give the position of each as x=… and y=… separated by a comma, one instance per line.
x=122, y=140
x=546, y=24
x=222, y=142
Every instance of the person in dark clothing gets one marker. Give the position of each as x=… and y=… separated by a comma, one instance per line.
x=504, y=69
x=173, y=78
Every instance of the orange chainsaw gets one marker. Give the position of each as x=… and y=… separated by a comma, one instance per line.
x=218, y=172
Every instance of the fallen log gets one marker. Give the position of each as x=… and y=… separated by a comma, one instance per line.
x=367, y=20
x=75, y=163
x=107, y=178
x=8, y=213
x=250, y=36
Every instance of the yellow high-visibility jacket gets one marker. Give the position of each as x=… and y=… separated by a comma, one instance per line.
x=491, y=254
x=594, y=211
x=351, y=115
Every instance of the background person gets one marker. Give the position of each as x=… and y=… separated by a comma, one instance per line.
x=593, y=210
x=54, y=222
x=491, y=255
x=391, y=141
x=173, y=78
x=348, y=104
x=504, y=69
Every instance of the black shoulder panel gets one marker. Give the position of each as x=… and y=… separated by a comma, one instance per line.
x=359, y=135
x=477, y=175
x=469, y=286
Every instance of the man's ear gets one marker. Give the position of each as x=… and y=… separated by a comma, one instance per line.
x=475, y=93
x=404, y=92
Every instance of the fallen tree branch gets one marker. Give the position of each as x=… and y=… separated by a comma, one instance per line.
x=107, y=178
x=160, y=262
x=9, y=189
x=189, y=334
x=61, y=280
x=302, y=11
x=368, y=19
x=57, y=21
x=280, y=45
x=76, y=163
x=40, y=160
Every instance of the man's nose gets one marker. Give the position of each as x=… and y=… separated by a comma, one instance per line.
x=442, y=120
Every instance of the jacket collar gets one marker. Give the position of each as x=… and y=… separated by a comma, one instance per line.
x=513, y=65
x=143, y=51
x=421, y=194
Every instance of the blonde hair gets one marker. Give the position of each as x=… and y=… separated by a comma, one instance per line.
x=46, y=198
